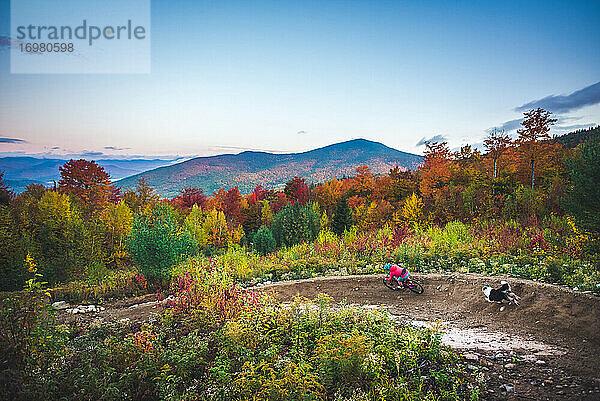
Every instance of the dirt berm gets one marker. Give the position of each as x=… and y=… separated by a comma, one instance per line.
x=564, y=320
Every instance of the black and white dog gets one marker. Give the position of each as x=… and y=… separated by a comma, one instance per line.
x=500, y=294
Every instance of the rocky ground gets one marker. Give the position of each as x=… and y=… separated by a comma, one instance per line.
x=546, y=348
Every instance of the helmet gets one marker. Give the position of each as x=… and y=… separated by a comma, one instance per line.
x=387, y=266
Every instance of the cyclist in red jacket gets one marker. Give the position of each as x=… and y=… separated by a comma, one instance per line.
x=396, y=272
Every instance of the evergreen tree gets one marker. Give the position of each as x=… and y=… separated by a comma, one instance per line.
x=342, y=217
x=264, y=242
x=157, y=243
x=582, y=200
x=295, y=224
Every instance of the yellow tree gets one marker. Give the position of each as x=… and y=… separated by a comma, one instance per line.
x=266, y=213
x=117, y=220
x=412, y=210
x=215, y=226
x=194, y=224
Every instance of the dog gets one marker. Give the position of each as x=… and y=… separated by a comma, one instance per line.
x=500, y=294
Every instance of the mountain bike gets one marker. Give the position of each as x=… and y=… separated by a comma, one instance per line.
x=397, y=285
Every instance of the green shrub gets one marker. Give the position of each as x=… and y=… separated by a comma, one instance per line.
x=157, y=243
x=295, y=224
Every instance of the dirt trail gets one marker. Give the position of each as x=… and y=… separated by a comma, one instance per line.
x=545, y=348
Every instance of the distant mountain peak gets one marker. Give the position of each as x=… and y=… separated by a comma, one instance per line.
x=272, y=170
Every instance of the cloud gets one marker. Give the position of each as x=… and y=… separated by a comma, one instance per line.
x=12, y=140
x=92, y=154
x=564, y=124
x=55, y=147
x=301, y=132
x=507, y=126
x=115, y=148
x=587, y=96
x=435, y=138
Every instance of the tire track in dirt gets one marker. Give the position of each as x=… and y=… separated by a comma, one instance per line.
x=553, y=332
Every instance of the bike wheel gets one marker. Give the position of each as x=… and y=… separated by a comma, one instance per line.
x=391, y=284
x=414, y=287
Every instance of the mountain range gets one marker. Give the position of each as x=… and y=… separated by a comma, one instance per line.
x=24, y=170
x=272, y=170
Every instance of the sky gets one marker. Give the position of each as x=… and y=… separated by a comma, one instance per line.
x=290, y=76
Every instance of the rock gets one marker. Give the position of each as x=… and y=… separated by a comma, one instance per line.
x=499, y=355
x=507, y=388
x=471, y=357
x=502, y=308
x=540, y=362
x=60, y=305
x=472, y=367
x=509, y=366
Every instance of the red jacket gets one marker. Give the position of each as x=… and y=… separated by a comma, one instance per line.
x=397, y=271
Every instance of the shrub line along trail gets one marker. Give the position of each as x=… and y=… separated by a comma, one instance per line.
x=546, y=347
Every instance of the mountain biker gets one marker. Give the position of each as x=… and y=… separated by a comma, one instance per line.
x=396, y=272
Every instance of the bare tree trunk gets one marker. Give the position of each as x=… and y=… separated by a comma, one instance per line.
x=532, y=173
x=495, y=176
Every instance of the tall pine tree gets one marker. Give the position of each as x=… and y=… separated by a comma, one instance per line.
x=342, y=217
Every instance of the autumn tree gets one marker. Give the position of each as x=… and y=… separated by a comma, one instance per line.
x=363, y=182
x=279, y=202
x=535, y=146
x=194, y=224
x=215, y=227
x=496, y=145
x=296, y=190
x=328, y=194
x=266, y=214
x=59, y=242
x=252, y=219
x=117, y=220
x=402, y=184
x=189, y=197
x=412, y=210
x=142, y=198
x=232, y=207
x=87, y=181
x=436, y=169
x=257, y=195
